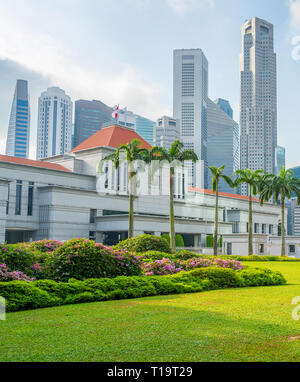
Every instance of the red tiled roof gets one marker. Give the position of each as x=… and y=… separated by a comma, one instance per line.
x=226, y=194
x=33, y=163
x=111, y=136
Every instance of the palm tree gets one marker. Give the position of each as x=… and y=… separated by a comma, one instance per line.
x=217, y=175
x=253, y=179
x=133, y=153
x=281, y=187
x=175, y=154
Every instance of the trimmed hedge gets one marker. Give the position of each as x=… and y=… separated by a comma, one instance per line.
x=144, y=243
x=22, y=295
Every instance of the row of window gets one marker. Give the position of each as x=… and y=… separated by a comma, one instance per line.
x=18, y=203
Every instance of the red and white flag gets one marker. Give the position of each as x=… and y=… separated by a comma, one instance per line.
x=115, y=112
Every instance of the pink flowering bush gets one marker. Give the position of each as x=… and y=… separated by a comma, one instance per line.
x=6, y=275
x=160, y=267
x=45, y=245
x=82, y=259
x=233, y=264
x=200, y=262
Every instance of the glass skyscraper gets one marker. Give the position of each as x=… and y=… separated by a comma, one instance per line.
x=225, y=106
x=279, y=159
x=89, y=118
x=145, y=128
x=17, y=143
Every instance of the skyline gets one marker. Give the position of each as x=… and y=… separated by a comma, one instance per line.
x=142, y=78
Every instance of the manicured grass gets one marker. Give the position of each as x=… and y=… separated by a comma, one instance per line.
x=248, y=324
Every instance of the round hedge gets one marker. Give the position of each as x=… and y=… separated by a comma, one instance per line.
x=145, y=243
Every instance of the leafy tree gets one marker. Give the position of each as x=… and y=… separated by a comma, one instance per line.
x=133, y=152
x=209, y=241
x=254, y=180
x=174, y=156
x=218, y=174
x=280, y=187
x=179, y=241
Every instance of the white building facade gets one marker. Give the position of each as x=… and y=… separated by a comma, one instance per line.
x=55, y=113
x=167, y=130
x=258, y=97
x=190, y=95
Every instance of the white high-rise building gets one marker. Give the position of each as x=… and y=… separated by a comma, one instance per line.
x=258, y=97
x=54, y=134
x=167, y=130
x=190, y=95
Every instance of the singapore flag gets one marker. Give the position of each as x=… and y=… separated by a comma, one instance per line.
x=115, y=112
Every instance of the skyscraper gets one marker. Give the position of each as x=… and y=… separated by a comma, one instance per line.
x=222, y=143
x=89, y=118
x=167, y=130
x=279, y=159
x=190, y=95
x=17, y=143
x=225, y=106
x=145, y=128
x=258, y=97
x=54, y=135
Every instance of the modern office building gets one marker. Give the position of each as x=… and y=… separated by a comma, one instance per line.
x=222, y=144
x=145, y=128
x=279, y=159
x=190, y=97
x=89, y=118
x=225, y=106
x=54, y=135
x=167, y=130
x=17, y=143
x=258, y=97
x=296, y=172
x=126, y=118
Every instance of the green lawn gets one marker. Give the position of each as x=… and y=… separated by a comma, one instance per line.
x=248, y=324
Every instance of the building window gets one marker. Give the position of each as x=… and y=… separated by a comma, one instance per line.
x=256, y=228
x=271, y=229
x=93, y=214
x=229, y=248
x=7, y=202
x=264, y=228
x=18, y=197
x=92, y=235
x=30, y=199
x=261, y=248
x=292, y=248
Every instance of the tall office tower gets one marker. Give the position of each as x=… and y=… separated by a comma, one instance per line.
x=126, y=118
x=223, y=143
x=89, y=118
x=279, y=159
x=145, y=128
x=190, y=95
x=54, y=135
x=258, y=97
x=225, y=106
x=167, y=130
x=17, y=143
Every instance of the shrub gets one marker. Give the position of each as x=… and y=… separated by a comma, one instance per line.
x=160, y=267
x=45, y=245
x=179, y=242
x=185, y=255
x=166, y=236
x=209, y=241
x=6, y=275
x=155, y=255
x=82, y=259
x=144, y=243
x=21, y=295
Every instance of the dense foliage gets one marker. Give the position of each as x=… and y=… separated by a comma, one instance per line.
x=144, y=243
x=22, y=295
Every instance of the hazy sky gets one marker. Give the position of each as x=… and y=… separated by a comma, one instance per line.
x=120, y=51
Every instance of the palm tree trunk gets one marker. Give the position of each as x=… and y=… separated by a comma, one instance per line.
x=250, y=225
x=282, y=229
x=216, y=222
x=172, y=223
x=131, y=201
